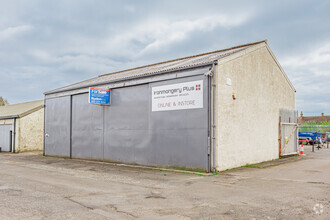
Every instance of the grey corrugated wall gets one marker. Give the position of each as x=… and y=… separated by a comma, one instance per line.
x=128, y=131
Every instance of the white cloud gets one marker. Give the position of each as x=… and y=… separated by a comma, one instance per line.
x=310, y=73
x=314, y=58
x=94, y=65
x=41, y=55
x=142, y=38
x=129, y=8
x=84, y=63
x=11, y=32
x=52, y=44
x=157, y=34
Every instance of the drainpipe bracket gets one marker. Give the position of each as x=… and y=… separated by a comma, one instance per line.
x=209, y=73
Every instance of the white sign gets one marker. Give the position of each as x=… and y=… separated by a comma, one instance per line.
x=188, y=95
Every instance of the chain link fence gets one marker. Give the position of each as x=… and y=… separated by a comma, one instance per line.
x=314, y=128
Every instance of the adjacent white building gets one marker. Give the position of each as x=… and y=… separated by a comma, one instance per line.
x=22, y=127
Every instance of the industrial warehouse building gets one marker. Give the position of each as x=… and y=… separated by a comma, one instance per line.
x=22, y=127
x=216, y=110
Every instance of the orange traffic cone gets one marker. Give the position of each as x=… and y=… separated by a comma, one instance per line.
x=302, y=150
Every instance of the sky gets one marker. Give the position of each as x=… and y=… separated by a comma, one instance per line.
x=49, y=44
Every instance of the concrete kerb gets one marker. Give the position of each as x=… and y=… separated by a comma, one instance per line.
x=136, y=166
x=152, y=168
x=264, y=164
x=271, y=163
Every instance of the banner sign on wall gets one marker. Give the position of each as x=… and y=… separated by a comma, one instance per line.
x=99, y=96
x=188, y=95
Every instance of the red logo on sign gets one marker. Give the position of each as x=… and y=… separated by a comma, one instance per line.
x=198, y=87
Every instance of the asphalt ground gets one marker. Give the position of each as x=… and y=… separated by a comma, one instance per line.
x=37, y=187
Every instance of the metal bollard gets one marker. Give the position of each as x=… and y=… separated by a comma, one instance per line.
x=313, y=146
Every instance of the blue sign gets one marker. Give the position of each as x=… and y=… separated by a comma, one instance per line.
x=99, y=96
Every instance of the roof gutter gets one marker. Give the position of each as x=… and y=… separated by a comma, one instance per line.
x=134, y=77
x=9, y=117
x=32, y=110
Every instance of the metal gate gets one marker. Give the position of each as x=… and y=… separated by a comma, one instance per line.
x=288, y=132
x=5, y=137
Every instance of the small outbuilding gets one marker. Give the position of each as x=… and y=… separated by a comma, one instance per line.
x=22, y=127
x=212, y=111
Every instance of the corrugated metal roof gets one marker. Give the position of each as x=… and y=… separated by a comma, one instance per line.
x=157, y=68
x=21, y=109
